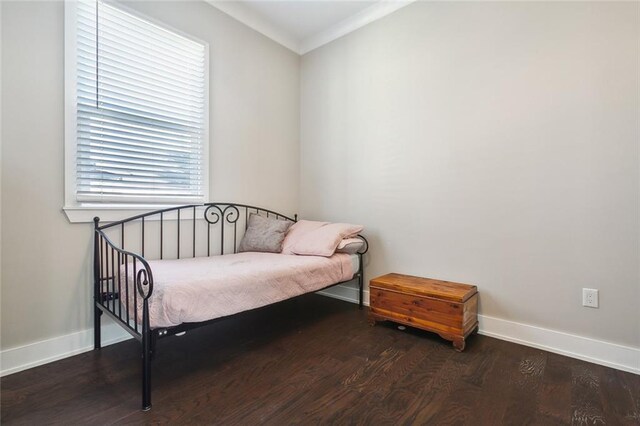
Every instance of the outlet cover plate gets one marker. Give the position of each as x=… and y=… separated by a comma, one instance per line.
x=590, y=297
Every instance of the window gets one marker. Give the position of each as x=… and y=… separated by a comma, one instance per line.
x=136, y=110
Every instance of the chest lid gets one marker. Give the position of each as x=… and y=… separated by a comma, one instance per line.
x=428, y=287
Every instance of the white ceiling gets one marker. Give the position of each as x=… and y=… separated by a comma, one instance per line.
x=303, y=25
x=303, y=19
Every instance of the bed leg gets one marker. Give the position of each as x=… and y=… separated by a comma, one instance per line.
x=97, y=341
x=97, y=313
x=146, y=373
x=360, y=290
x=146, y=358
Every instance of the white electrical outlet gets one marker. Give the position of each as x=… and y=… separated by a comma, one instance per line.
x=590, y=297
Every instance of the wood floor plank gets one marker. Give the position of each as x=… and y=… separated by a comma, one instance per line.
x=631, y=387
x=555, y=392
x=619, y=404
x=315, y=360
x=526, y=379
x=490, y=406
x=586, y=406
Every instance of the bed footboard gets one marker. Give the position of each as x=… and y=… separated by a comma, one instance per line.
x=112, y=296
x=112, y=269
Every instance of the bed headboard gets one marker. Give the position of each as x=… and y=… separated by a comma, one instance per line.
x=185, y=231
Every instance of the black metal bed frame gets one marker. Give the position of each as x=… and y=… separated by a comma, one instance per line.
x=110, y=259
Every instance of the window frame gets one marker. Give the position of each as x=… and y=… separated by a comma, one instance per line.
x=78, y=211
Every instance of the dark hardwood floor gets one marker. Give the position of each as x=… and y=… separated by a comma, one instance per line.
x=315, y=360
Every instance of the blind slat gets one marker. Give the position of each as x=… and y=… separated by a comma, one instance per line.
x=89, y=143
x=143, y=105
x=162, y=136
x=134, y=178
x=118, y=86
x=88, y=71
x=86, y=110
x=104, y=154
x=90, y=165
x=136, y=139
x=149, y=115
x=112, y=46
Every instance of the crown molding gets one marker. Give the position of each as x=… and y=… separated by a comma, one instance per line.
x=247, y=16
x=352, y=23
x=244, y=14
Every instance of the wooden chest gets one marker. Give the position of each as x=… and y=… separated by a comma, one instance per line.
x=447, y=308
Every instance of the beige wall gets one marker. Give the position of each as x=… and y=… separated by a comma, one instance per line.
x=254, y=119
x=491, y=143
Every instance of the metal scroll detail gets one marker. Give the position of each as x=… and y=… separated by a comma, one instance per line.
x=214, y=212
x=365, y=248
x=212, y=216
x=144, y=283
x=232, y=215
x=222, y=214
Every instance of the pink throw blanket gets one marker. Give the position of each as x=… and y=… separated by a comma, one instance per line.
x=204, y=288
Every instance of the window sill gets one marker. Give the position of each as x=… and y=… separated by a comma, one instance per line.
x=108, y=213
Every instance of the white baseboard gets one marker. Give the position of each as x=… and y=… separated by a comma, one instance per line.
x=345, y=292
x=612, y=355
x=597, y=351
x=45, y=351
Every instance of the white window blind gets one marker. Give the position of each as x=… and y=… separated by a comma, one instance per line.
x=140, y=109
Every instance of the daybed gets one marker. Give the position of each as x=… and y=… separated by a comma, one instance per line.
x=197, y=276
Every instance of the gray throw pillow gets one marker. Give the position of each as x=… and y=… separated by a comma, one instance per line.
x=264, y=234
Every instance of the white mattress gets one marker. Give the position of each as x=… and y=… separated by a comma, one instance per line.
x=355, y=263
